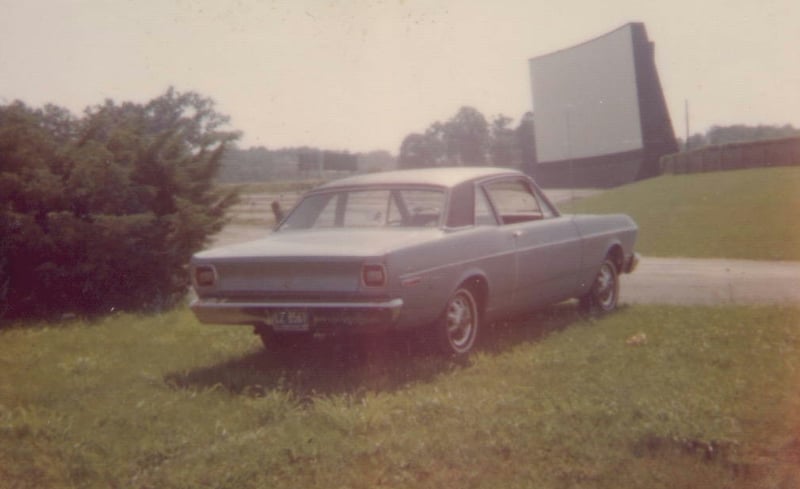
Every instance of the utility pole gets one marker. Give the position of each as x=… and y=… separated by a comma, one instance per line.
x=686, y=112
x=569, y=155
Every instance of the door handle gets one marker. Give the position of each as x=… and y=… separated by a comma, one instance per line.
x=516, y=233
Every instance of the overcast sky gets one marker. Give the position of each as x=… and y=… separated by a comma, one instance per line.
x=360, y=75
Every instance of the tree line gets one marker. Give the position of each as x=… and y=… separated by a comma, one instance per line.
x=102, y=212
x=740, y=133
x=468, y=139
x=260, y=164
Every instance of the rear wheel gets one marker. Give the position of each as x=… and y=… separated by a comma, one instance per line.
x=602, y=298
x=457, y=329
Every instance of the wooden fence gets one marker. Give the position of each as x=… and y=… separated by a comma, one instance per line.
x=734, y=156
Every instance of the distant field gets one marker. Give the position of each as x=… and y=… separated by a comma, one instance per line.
x=275, y=186
x=747, y=214
x=702, y=397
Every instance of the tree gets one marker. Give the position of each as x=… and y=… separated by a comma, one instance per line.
x=526, y=142
x=466, y=137
x=247, y=165
x=378, y=160
x=463, y=140
x=743, y=133
x=696, y=140
x=420, y=151
x=740, y=133
x=503, y=148
x=103, y=212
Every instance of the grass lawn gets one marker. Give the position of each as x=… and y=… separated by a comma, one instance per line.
x=748, y=214
x=709, y=400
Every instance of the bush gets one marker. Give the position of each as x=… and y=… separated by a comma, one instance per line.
x=103, y=212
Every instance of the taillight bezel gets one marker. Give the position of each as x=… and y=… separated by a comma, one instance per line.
x=374, y=275
x=204, y=275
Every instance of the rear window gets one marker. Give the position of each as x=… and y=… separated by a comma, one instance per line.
x=368, y=208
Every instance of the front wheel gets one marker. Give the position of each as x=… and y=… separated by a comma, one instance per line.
x=603, y=296
x=457, y=329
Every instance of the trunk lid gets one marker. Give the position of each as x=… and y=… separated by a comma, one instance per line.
x=311, y=264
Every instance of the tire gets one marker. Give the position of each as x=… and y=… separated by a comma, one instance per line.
x=457, y=328
x=602, y=298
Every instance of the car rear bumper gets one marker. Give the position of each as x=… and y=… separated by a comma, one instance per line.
x=320, y=315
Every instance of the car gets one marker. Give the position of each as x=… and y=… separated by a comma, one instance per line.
x=441, y=252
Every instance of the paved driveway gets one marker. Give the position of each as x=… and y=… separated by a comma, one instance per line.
x=712, y=281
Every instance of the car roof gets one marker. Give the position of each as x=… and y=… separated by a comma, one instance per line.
x=439, y=176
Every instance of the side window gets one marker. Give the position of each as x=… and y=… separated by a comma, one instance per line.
x=327, y=216
x=484, y=216
x=317, y=210
x=394, y=216
x=462, y=209
x=424, y=206
x=514, y=201
x=547, y=211
x=366, y=208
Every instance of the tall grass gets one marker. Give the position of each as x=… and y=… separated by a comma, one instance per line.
x=706, y=397
x=748, y=214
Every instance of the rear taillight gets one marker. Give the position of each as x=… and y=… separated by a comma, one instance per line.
x=373, y=275
x=204, y=276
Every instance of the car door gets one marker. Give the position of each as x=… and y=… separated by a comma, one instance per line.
x=547, y=245
x=478, y=244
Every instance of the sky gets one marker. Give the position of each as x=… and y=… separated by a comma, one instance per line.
x=360, y=75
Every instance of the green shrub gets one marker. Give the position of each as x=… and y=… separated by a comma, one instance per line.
x=103, y=212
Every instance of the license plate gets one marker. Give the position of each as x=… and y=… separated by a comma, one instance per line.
x=290, y=320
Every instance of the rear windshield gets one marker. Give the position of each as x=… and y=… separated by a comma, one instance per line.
x=368, y=208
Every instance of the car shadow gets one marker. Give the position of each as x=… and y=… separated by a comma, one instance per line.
x=504, y=335
x=356, y=366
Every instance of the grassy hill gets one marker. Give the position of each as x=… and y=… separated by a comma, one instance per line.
x=704, y=397
x=748, y=214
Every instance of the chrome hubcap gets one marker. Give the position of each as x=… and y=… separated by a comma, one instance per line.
x=605, y=287
x=460, y=321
